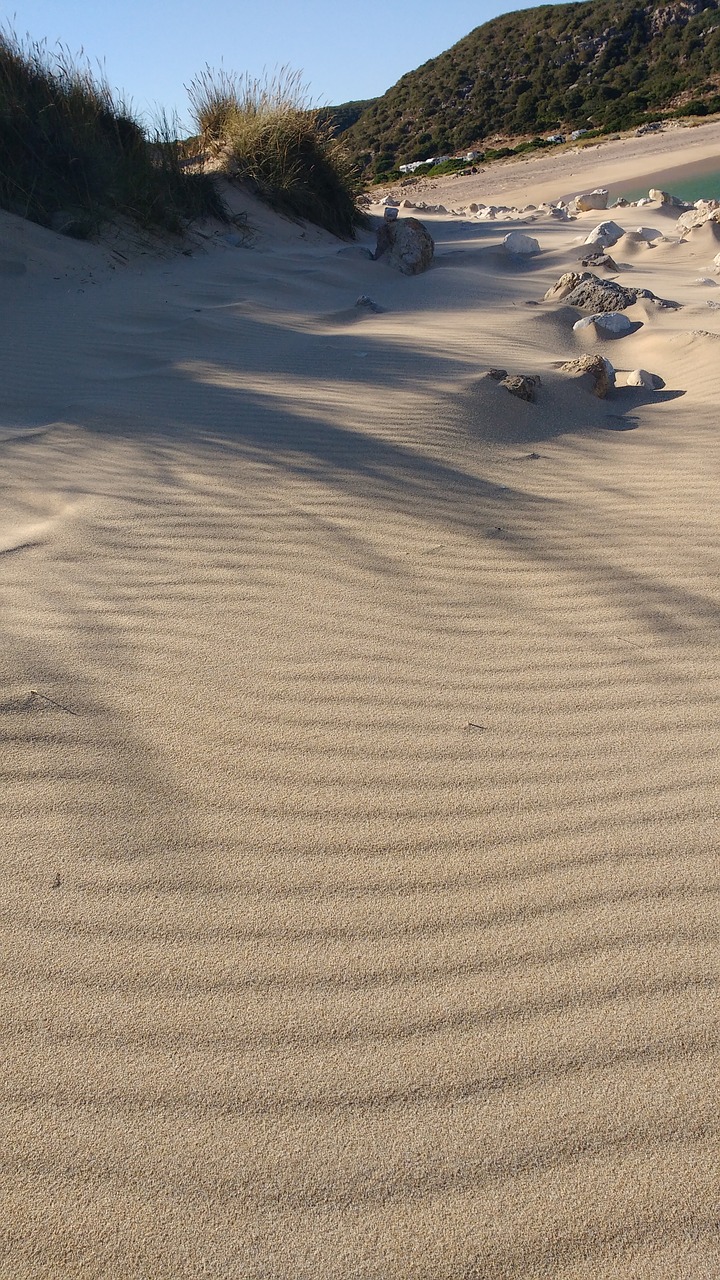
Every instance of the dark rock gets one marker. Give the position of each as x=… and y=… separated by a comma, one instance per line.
x=594, y=294
x=522, y=386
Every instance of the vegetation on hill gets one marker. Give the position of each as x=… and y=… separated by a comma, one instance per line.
x=70, y=156
x=266, y=134
x=343, y=117
x=601, y=64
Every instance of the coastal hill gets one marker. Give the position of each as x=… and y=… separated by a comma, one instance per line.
x=602, y=64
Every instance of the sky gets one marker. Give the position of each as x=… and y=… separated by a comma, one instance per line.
x=150, y=50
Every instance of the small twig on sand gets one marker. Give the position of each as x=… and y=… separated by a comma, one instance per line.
x=472, y=725
x=35, y=693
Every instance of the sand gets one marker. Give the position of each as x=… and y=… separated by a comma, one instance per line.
x=360, y=757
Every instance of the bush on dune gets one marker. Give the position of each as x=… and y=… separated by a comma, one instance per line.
x=66, y=146
x=266, y=134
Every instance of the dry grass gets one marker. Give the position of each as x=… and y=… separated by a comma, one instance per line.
x=266, y=133
x=68, y=148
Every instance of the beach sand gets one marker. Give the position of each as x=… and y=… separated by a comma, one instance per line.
x=360, y=756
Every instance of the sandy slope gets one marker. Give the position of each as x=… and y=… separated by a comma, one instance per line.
x=360, y=732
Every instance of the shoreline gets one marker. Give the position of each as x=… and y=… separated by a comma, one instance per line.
x=628, y=161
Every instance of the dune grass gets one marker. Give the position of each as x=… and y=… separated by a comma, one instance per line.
x=265, y=133
x=71, y=157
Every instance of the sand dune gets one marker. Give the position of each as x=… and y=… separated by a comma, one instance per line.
x=361, y=770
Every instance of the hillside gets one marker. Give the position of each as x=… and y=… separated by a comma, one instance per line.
x=601, y=64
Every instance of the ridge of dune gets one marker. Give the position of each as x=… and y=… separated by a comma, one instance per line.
x=360, y=765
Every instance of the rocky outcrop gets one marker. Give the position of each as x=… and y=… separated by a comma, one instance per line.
x=405, y=245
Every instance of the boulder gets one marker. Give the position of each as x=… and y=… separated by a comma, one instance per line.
x=521, y=386
x=593, y=294
x=405, y=245
x=605, y=234
x=391, y=213
x=594, y=369
x=596, y=199
x=612, y=324
x=516, y=242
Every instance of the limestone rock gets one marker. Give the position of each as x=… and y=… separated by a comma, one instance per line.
x=596, y=199
x=697, y=217
x=594, y=368
x=665, y=198
x=606, y=234
x=406, y=245
x=522, y=386
x=612, y=324
x=517, y=242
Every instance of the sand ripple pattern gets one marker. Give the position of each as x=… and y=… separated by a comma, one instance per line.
x=360, y=805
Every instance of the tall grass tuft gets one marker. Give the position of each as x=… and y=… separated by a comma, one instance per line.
x=71, y=155
x=265, y=133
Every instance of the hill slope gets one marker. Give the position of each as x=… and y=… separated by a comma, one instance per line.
x=601, y=64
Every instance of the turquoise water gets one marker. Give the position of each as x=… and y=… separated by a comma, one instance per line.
x=688, y=187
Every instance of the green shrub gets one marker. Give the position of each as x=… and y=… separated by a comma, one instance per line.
x=67, y=147
x=265, y=133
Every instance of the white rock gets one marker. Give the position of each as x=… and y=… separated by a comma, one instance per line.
x=641, y=378
x=693, y=218
x=596, y=199
x=706, y=281
x=612, y=322
x=517, y=242
x=605, y=233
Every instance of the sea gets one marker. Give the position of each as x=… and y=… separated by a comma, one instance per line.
x=700, y=181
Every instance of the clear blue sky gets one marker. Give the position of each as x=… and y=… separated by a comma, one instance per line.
x=151, y=50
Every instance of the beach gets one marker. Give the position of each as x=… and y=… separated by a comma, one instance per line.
x=361, y=750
